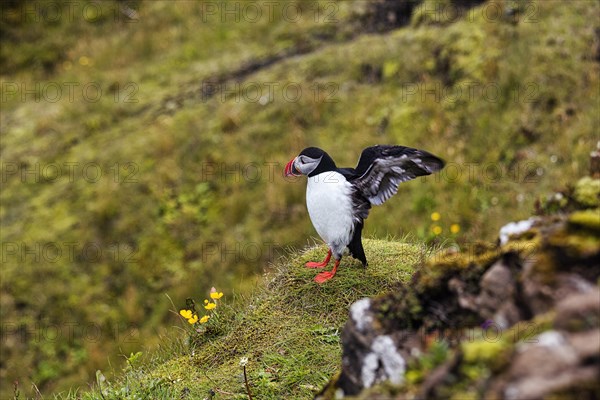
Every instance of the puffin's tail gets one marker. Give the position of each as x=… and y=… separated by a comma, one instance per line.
x=356, y=247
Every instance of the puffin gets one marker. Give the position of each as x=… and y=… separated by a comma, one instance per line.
x=338, y=200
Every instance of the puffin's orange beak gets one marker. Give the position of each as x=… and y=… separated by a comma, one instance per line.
x=290, y=169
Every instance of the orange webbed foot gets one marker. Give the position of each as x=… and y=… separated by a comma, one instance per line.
x=322, y=264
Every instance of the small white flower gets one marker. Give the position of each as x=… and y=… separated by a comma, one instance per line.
x=243, y=361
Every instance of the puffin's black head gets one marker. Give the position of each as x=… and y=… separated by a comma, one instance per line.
x=311, y=161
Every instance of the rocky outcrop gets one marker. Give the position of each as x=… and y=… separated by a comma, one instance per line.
x=516, y=320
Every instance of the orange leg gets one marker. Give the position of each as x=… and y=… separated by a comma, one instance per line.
x=327, y=275
x=312, y=264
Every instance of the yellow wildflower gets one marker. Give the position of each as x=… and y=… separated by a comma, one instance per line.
x=204, y=319
x=215, y=295
x=189, y=315
x=435, y=216
x=455, y=228
x=210, y=306
x=437, y=229
x=83, y=60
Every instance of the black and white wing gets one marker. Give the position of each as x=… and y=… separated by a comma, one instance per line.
x=381, y=169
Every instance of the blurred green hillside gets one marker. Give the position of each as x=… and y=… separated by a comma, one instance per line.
x=142, y=145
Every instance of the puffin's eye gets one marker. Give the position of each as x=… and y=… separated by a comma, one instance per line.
x=301, y=160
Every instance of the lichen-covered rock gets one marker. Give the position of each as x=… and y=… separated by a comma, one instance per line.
x=520, y=320
x=378, y=355
x=547, y=365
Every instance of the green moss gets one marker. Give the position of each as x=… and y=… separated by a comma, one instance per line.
x=539, y=324
x=588, y=219
x=465, y=395
x=467, y=263
x=481, y=359
x=434, y=356
x=587, y=192
x=580, y=238
x=413, y=376
x=483, y=351
x=526, y=245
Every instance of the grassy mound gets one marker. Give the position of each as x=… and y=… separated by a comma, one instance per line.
x=289, y=330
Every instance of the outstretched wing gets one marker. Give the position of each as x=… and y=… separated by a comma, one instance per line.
x=381, y=169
